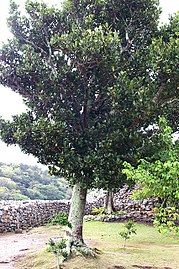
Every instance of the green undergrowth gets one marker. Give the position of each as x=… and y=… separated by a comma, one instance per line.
x=145, y=249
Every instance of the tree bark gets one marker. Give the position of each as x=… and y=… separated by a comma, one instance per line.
x=74, y=234
x=108, y=203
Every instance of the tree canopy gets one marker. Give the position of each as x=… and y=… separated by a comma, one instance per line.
x=64, y=64
x=94, y=75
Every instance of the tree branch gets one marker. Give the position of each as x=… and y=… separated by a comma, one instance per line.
x=156, y=98
x=170, y=102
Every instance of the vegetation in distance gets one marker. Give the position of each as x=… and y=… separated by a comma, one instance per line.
x=23, y=182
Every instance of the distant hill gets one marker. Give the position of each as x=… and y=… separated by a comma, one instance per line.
x=22, y=182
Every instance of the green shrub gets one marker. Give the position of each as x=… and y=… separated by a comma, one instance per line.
x=98, y=210
x=60, y=219
x=166, y=219
x=59, y=250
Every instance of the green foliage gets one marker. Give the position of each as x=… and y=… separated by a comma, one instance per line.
x=98, y=210
x=89, y=75
x=58, y=249
x=158, y=175
x=60, y=219
x=129, y=230
x=165, y=220
x=22, y=182
x=68, y=64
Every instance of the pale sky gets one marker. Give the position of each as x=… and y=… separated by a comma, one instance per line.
x=11, y=103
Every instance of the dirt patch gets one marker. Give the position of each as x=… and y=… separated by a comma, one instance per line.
x=19, y=251
x=15, y=246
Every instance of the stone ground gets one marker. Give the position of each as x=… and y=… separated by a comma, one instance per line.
x=14, y=246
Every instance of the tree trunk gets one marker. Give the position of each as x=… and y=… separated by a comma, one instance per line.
x=77, y=208
x=108, y=203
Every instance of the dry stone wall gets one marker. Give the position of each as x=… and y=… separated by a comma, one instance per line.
x=137, y=210
x=126, y=207
x=21, y=215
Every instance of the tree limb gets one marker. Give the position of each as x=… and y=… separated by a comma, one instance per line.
x=156, y=98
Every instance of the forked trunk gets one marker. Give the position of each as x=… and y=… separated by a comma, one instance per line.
x=77, y=208
x=108, y=203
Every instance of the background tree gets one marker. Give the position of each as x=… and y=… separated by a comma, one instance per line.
x=24, y=182
x=81, y=73
x=158, y=175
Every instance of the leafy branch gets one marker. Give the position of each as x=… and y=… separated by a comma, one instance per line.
x=129, y=230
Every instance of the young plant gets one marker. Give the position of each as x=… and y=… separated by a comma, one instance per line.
x=129, y=230
x=60, y=219
x=98, y=210
x=59, y=250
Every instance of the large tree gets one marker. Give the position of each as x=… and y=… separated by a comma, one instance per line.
x=81, y=71
x=136, y=105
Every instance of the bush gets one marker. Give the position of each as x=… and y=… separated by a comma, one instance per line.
x=98, y=210
x=60, y=219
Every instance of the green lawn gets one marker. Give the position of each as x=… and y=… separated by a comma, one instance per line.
x=147, y=249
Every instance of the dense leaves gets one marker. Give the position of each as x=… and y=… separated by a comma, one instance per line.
x=158, y=175
x=22, y=182
x=91, y=80
x=60, y=219
x=63, y=63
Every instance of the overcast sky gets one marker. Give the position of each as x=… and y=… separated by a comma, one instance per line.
x=11, y=103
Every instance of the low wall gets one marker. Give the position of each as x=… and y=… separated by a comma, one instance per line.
x=16, y=215
x=126, y=207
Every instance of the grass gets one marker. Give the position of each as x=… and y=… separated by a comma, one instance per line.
x=147, y=249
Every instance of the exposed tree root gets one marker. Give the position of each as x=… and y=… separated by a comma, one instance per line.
x=85, y=251
x=79, y=248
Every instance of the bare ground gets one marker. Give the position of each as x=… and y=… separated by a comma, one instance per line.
x=15, y=246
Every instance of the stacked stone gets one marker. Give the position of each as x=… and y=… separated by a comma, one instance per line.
x=21, y=215
x=90, y=205
x=126, y=207
x=17, y=215
x=133, y=209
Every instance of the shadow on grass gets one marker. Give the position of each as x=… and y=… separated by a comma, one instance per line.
x=149, y=267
